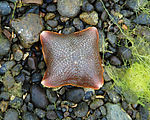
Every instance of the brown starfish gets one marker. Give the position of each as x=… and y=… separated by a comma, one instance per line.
x=72, y=59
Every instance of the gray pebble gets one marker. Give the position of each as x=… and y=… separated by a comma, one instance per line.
x=103, y=110
x=115, y=61
x=99, y=6
x=96, y=103
x=78, y=24
x=112, y=39
x=51, y=115
x=126, y=13
x=68, y=30
x=4, y=96
x=16, y=103
x=29, y=116
x=51, y=8
x=52, y=96
x=17, y=52
x=81, y=110
x=40, y=113
x=143, y=19
x=75, y=95
x=68, y=8
x=11, y=114
x=52, y=23
x=38, y=97
x=16, y=69
x=36, y=77
x=87, y=7
x=114, y=97
x=4, y=8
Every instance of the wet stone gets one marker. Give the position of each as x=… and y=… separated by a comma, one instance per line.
x=87, y=7
x=40, y=113
x=99, y=6
x=4, y=96
x=38, y=97
x=75, y=95
x=52, y=96
x=78, y=24
x=96, y=103
x=68, y=8
x=115, y=112
x=16, y=69
x=89, y=18
x=4, y=8
x=49, y=16
x=127, y=13
x=28, y=29
x=51, y=115
x=16, y=103
x=11, y=114
x=143, y=19
x=51, y=8
x=81, y=110
x=17, y=52
x=115, y=61
x=20, y=78
x=30, y=106
x=32, y=62
x=4, y=45
x=112, y=39
x=103, y=110
x=115, y=98
x=104, y=16
x=29, y=116
x=68, y=30
x=52, y=23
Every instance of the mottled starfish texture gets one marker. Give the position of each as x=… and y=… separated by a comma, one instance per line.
x=72, y=59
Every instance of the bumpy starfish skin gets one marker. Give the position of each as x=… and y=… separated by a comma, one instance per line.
x=72, y=59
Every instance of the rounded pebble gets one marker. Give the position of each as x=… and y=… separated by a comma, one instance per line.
x=78, y=24
x=96, y=103
x=51, y=115
x=52, y=23
x=115, y=61
x=11, y=114
x=51, y=8
x=4, y=8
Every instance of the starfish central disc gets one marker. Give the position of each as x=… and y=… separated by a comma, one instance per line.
x=72, y=59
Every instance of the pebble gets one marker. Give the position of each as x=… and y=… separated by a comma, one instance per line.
x=89, y=18
x=112, y=39
x=78, y=24
x=39, y=2
x=87, y=7
x=96, y=103
x=103, y=110
x=127, y=13
x=29, y=116
x=81, y=110
x=17, y=52
x=28, y=28
x=75, y=95
x=4, y=45
x=4, y=96
x=32, y=62
x=3, y=105
x=5, y=9
x=104, y=16
x=114, y=97
x=115, y=61
x=115, y=112
x=16, y=69
x=11, y=114
x=40, y=113
x=51, y=8
x=20, y=78
x=51, y=115
x=68, y=8
x=143, y=19
x=36, y=77
x=49, y=16
x=38, y=97
x=68, y=30
x=16, y=103
x=52, y=23
x=59, y=114
x=99, y=6
x=51, y=95
x=124, y=53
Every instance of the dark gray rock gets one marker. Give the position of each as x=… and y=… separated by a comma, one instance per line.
x=40, y=113
x=124, y=53
x=115, y=112
x=11, y=114
x=99, y=6
x=4, y=96
x=78, y=24
x=75, y=95
x=115, y=61
x=51, y=115
x=52, y=23
x=115, y=98
x=32, y=62
x=143, y=19
x=51, y=8
x=52, y=96
x=16, y=69
x=126, y=13
x=112, y=39
x=68, y=30
x=28, y=29
x=103, y=110
x=96, y=103
x=38, y=97
x=16, y=103
x=4, y=8
x=17, y=52
x=144, y=113
x=4, y=45
x=29, y=116
x=87, y=7
x=68, y=8
x=36, y=77
x=81, y=110
x=20, y=78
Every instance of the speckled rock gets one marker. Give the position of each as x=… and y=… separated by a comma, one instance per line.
x=78, y=24
x=16, y=69
x=68, y=30
x=36, y=77
x=5, y=9
x=112, y=39
x=11, y=114
x=96, y=103
x=16, y=102
x=143, y=19
x=51, y=95
x=99, y=6
x=89, y=18
x=52, y=23
x=87, y=7
x=51, y=115
x=40, y=113
x=103, y=110
x=51, y=8
x=68, y=8
x=81, y=110
x=115, y=112
x=49, y=16
x=17, y=52
x=38, y=97
x=29, y=116
x=75, y=95
x=4, y=45
x=124, y=53
x=4, y=96
x=115, y=98
x=28, y=29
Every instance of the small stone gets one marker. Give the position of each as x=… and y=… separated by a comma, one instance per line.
x=16, y=69
x=39, y=2
x=52, y=23
x=51, y=115
x=89, y=18
x=17, y=52
x=29, y=116
x=4, y=96
x=52, y=96
x=124, y=53
x=68, y=8
x=115, y=112
x=115, y=61
x=87, y=7
x=96, y=103
x=38, y=97
x=99, y=6
x=20, y=78
x=78, y=24
x=28, y=29
x=11, y=114
x=30, y=106
x=3, y=106
x=81, y=110
x=4, y=8
x=4, y=45
x=68, y=30
x=75, y=95
x=64, y=19
x=32, y=62
x=16, y=102
x=112, y=39
x=49, y=16
x=104, y=16
x=127, y=13
x=51, y=8
x=40, y=113
x=115, y=98
x=103, y=110
x=36, y=77
x=143, y=19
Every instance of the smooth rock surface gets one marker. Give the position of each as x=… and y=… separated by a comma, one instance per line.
x=28, y=29
x=11, y=114
x=5, y=9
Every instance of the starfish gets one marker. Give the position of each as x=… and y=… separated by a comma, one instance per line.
x=72, y=59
